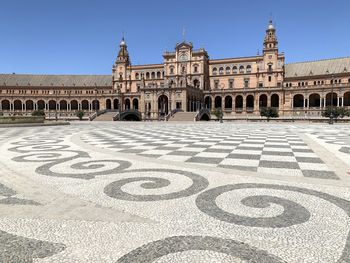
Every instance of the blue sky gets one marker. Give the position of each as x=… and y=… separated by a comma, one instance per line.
x=82, y=37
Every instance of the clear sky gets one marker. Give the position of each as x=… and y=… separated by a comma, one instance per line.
x=82, y=36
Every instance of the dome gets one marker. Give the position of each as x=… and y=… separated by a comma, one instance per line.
x=271, y=25
x=122, y=43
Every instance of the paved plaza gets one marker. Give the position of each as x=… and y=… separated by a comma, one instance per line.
x=175, y=192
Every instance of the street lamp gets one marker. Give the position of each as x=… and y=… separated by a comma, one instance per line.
x=96, y=99
x=331, y=114
x=55, y=92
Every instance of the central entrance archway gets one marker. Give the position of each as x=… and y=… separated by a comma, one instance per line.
x=163, y=105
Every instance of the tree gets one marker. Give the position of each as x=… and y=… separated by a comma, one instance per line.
x=337, y=112
x=38, y=113
x=80, y=114
x=217, y=112
x=269, y=112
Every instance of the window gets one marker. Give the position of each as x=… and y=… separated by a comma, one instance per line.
x=171, y=70
x=228, y=70
x=221, y=70
x=270, y=68
x=138, y=87
x=249, y=68
x=216, y=84
x=241, y=69
x=195, y=70
x=279, y=84
x=314, y=82
x=153, y=75
x=271, y=79
x=261, y=85
x=137, y=76
x=349, y=80
x=230, y=84
x=147, y=75
x=234, y=70
x=246, y=83
x=215, y=71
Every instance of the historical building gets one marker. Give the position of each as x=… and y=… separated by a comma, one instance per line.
x=187, y=80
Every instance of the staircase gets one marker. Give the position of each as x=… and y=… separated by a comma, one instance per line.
x=183, y=116
x=107, y=116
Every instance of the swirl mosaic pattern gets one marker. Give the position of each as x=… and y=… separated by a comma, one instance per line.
x=191, y=214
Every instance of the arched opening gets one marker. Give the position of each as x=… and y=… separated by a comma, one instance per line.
x=63, y=105
x=263, y=101
x=207, y=102
x=52, y=105
x=5, y=105
x=17, y=105
x=298, y=101
x=29, y=105
x=228, y=102
x=217, y=102
x=196, y=83
x=147, y=75
x=135, y=104
x=41, y=105
x=131, y=116
x=250, y=102
x=116, y=104
x=314, y=100
x=158, y=75
x=95, y=105
x=85, y=105
x=205, y=117
x=275, y=101
x=329, y=99
x=127, y=104
x=153, y=75
x=108, y=104
x=74, y=105
x=239, y=102
x=163, y=105
x=347, y=99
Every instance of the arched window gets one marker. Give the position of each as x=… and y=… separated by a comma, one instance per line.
x=234, y=70
x=215, y=71
x=153, y=75
x=74, y=105
x=228, y=70
x=249, y=68
x=241, y=69
x=41, y=105
x=221, y=70
x=228, y=102
x=171, y=70
x=195, y=68
x=147, y=75
x=158, y=75
x=137, y=76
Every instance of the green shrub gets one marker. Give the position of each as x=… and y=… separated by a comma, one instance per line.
x=38, y=113
x=80, y=114
x=217, y=113
x=269, y=112
x=338, y=112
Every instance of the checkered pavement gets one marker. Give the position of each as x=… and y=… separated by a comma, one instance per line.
x=269, y=151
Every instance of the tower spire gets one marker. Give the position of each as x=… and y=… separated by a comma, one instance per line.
x=123, y=54
x=270, y=41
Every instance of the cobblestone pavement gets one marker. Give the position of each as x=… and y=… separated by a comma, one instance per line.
x=175, y=192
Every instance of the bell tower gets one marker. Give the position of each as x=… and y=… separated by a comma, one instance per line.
x=120, y=68
x=270, y=42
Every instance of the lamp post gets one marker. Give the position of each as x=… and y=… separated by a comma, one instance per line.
x=96, y=99
x=55, y=92
x=331, y=114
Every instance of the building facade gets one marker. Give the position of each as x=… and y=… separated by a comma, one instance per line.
x=187, y=80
